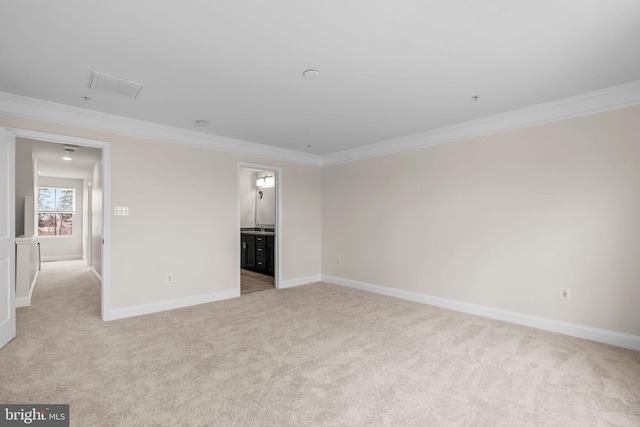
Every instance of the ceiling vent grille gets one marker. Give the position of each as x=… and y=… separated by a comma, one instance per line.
x=114, y=85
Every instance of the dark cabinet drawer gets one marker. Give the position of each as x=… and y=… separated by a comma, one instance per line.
x=261, y=249
x=261, y=263
x=247, y=238
x=260, y=239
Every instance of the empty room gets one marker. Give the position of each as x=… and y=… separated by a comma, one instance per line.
x=334, y=213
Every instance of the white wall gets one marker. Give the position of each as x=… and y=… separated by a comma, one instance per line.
x=502, y=221
x=25, y=182
x=96, y=212
x=183, y=217
x=247, y=198
x=65, y=247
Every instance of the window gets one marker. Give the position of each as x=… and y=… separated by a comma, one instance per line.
x=56, y=207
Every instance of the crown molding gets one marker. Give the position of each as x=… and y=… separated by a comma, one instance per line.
x=30, y=108
x=611, y=98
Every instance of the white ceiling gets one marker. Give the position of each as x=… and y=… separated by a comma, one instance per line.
x=388, y=68
x=49, y=156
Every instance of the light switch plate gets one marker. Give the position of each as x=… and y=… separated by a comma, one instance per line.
x=121, y=211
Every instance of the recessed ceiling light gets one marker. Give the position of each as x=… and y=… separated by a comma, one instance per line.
x=202, y=123
x=39, y=171
x=67, y=158
x=311, y=74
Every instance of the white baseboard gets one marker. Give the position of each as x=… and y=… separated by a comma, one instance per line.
x=572, y=329
x=299, y=281
x=96, y=275
x=26, y=300
x=61, y=258
x=23, y=302
x=139, y=310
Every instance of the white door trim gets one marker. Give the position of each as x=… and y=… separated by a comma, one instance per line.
x=106, y=196
x=7, y=240
x=278, y=264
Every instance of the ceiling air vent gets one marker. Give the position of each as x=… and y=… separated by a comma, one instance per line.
x=114, y=85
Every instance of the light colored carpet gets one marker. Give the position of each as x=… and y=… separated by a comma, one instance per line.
x=316, y=355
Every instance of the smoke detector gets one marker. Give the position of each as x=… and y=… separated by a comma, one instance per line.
x=114, y=85
x=311, y=74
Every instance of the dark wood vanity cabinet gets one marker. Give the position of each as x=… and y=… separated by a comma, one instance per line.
x=248, y=251
x=257, y=253
x=271, y=258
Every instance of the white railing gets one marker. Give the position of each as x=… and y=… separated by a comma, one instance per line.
x=27, y=268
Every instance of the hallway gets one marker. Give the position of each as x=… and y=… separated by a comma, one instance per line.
x=66, y=293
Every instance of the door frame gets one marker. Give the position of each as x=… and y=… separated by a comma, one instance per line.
x=8, y=323
x=278, y=252
x=105, y=305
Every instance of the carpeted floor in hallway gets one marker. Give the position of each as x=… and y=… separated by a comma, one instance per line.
x=315, y=355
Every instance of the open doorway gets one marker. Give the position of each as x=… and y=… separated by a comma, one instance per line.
x=61, y=187
x=259, y=236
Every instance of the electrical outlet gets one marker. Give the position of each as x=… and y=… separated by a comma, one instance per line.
x=339, y=261
x=565, y=293
x=121, y=211
x=169, y=278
